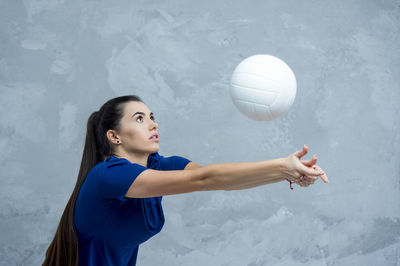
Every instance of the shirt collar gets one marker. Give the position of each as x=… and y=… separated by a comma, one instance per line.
x=149, y=158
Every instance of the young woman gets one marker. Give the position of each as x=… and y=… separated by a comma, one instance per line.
x=116, y=202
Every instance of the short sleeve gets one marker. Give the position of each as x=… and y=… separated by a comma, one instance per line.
x=115, y=179
x=174, y=162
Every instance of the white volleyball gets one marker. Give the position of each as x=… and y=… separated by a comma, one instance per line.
x=263, y=87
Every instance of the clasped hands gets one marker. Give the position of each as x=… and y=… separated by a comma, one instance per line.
x=303, y=173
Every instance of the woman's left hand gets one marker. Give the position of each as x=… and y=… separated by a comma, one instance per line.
x=308, y=180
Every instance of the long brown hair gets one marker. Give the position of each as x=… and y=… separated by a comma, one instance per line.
x=63, y=250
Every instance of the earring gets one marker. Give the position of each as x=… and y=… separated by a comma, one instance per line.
x=117, y=141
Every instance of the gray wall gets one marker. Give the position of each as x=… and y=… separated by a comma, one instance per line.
x=61, y=60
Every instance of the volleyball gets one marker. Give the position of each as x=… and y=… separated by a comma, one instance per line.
x=263, y=87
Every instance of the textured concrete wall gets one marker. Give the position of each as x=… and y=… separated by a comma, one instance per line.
x=60, y=60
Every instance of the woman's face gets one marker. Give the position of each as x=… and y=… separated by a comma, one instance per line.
x=137, y=126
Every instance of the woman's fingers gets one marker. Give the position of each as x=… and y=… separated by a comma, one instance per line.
x=311, y=171
x=310, y=162
x=314, y=172
x=304, y=183
x=303, y=152
x=300, y=153
x=323, y=176
x=307, y=181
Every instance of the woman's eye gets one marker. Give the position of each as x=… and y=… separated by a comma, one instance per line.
x=140, y=117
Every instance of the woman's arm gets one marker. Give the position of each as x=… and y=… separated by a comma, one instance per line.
x=235, y=176
x=256, y=184
x=223, y=176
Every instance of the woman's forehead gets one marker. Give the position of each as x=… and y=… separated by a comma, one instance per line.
x=133, y=107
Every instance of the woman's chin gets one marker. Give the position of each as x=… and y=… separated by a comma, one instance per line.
x=156, y=149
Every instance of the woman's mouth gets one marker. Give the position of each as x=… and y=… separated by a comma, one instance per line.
x=154, y=138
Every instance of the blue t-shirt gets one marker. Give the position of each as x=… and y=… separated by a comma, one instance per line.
x=109, y=226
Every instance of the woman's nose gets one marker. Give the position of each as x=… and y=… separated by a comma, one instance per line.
x=154, y=124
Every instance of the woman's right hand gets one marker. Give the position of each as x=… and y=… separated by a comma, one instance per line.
x=295, y=169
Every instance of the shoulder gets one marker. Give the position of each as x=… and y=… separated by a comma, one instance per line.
x=116, y=166
x=112, y=161
x=174, y=162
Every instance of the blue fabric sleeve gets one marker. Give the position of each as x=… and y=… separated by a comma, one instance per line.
x=115, y=179
x=173, y=162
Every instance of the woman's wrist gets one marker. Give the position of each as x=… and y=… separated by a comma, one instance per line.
x=284, y=168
